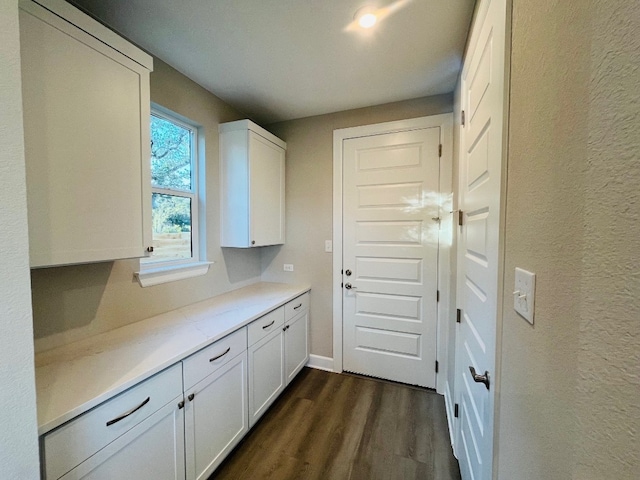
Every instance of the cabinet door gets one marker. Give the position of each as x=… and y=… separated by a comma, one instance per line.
x=217, y=417
x=152, y=449
x=266, y=373
x=267, y=191
x=296, y=345
x=86, y=128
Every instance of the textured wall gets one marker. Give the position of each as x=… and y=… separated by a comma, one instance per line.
x=569, y=406
x=18, y=429
x=73, y=302
x=544, y=231
x=309, y=197
x=608, y=389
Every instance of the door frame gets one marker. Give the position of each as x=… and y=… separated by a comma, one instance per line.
x=445, y=122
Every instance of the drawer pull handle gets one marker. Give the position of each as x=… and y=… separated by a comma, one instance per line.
x=125, y=415
x=221, y=355
x=267, y=326
x=295, y=308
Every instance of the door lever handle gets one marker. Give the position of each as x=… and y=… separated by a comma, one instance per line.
x=348, y=286
x=480, y=378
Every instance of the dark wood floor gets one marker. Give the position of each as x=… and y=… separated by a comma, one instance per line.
x=329, y=426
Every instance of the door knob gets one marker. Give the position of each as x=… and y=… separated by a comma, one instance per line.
x=480, y=378
x=348, y=286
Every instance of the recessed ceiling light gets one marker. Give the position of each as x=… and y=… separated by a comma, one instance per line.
x=369, y=16
x=367, y=20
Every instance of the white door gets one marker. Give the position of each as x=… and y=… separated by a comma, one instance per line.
x=479, y=238
x=390, y=255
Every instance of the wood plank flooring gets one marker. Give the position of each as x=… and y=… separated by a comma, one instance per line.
x=329, y=426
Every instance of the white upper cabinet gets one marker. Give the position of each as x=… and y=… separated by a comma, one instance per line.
x=252, y=186
x=86, y=125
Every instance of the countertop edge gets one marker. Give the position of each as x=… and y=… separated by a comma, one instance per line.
x=74, y=411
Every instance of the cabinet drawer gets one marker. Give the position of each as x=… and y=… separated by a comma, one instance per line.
x=265, y=325
x=296, y=306
x=75, y=441
x=210, y=358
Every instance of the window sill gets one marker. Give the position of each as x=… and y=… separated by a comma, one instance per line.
x=156, y=276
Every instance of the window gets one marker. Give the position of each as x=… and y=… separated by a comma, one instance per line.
x=177, y=217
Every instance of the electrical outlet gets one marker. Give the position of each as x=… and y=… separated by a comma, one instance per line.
x=328, y=246
x=524, y=294
x=288, y=267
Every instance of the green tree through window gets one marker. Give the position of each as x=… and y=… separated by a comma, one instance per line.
x=173, y=155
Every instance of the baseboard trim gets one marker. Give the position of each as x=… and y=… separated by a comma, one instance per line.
x=321, y=363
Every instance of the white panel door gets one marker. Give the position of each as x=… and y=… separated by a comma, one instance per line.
x=479, y=239
x=390, y=253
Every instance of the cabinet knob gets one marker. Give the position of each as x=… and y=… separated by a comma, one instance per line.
x=253, y=242
x=181, y=404
x=191, y=396
x=150, y=249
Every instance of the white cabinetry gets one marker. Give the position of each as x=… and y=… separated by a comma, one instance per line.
x=86, y=126
x=278, y=350
x=152, y=449
x=182, y=422
x=252, y=169
x=296, y=341
x=142, y=426
x=216, y=406
x=266, y=362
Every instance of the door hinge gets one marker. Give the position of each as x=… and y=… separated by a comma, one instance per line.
x=437, y=366
x=460, y=217
x=458, y=315
x=463, y=120
x=440, y=150
x=437, y=295
x=456, y=410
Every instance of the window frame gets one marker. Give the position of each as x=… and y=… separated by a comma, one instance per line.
x=161, y=271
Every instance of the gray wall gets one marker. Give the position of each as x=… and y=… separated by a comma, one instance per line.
x=18, y=426
x=70, y=303
x=570, y=401
x=309, y=198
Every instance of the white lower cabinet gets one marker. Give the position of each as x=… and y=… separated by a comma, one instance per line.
x=154, y=449
x=266, y=373
x=296, y=345
x=216, y=417
x=182, y=422
x=278, y=356
x=142, y=426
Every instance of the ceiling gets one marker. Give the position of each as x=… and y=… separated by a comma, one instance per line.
x=278, y=60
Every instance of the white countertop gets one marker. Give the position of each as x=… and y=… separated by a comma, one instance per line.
x=76, y=377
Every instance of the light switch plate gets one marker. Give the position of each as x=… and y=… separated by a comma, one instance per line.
x=524, y=294
x=328, y=246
